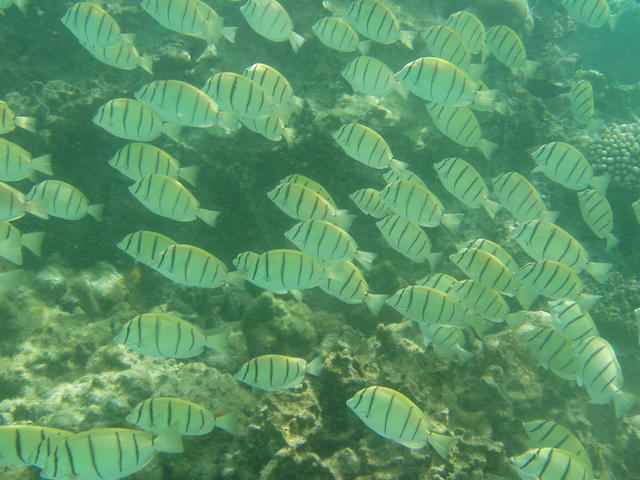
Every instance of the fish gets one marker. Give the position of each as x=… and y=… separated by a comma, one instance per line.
x=371, y=76
x=582, y=103
x=107, y=453
x=494, y=249
x=17, y=164
x=92, y=25
x=63, y=200
x=350, y=286
x=485, y=268
x=550, y=464
x=22, y=445
x=568, y=318
x=122, y=55
x=598, y=215
x=159, y=414
x=14, y=205
x=337, y=34
x=365, y=146
x=542, y=240
x=136, y=160
x=9, y=120
x=480, y=299
x=418, y=204
x=277, y=86
x=167, y=197
x=439, y=281
x=409, y=239
x=437, y=80
x=195, y=267
x=12, y=241
x=162, y=335
x=375, y=20
x=271, y=127
x=507, y=47
x=393, y=175
x=556, y=281
x=133, y=120
x=238, y=94
x=520, y=198
x=600, y=373
x=447, y=341
x=392, y=415
x=552, y=349
x=328, y=242
x=369, y=201
x=144, y=246
x=277, y=372
x=565, y=164
x=303, y=203
x=592, y=13
x=547, y=433
x=465, y=183
x=311, y=185
x=461, y=125
x=470, y=29
x=190, y=17
x=272, y=21
x=444, y=42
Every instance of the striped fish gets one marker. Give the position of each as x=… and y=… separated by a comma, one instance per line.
x=556, y=281
x=303, y=203
x=122, y=55
x=370, y=76
x=375, y=20
x=277, y=372
x=285, y=271
x=393, y=175
x=482, y=300
x=597, y=214
x=161, y=413
x=550, y=464
x=568, y=318
x=190, y=17
x=63, y=200
x=437, y=80
x=439, y=281
x=447, y=341
x=135, y=160
x=145, y=246
x=9, y=120
x=566, y=165
x=310, y=184
x=494, y=249
x=552, y=349
x=167, y=197
x=418, y=204
x=547, y=433
x=271, y=127
x=17, y=164
x=350, y=286
x=469, y=28
x=167, y=336
x=460, y=125
x=327, y=242
x=465, y=183
x=543, y=240
x=245, y=261
x=107, y=453
x=369, y=201
x=12, y=240
x=195, y=267
x=14, y=205
x=507, y=47
x=277, y=86
x=581, y=101
x=407, y=238
x=22, y=445
x=393, y=416
x=600, y=373
x=236, y=93
x=444, y=42
x=133, y=120
x=592, y=13
x=270, y=19
x=365, y=146
x=337, y=34
x=92, y=25
x=520, y=198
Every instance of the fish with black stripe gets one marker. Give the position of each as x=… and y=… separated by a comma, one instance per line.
x=547, y=433
x=409, y=239
x=9, y=120
x=64, y=201
x=568, y=318
x=507, y=47
x=371, y=76
x=369, y=201
x=338, y=34
x=366, y=146
x=598, y=215
x=550, y=464
x=270, y=19
x=520, y=198
x=350, y=286
x=277, y=372
x=145, y=246
x=135, y=160
x=22, y=445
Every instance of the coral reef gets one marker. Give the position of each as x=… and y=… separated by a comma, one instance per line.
x=615, y=149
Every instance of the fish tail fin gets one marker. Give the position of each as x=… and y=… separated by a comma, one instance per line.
x=525, y=298
x=33, y=242
x=229, y=34
x=22, y=5
x=12, y=251
x=614, y=19
x=622, y=402
x=514, y=320
x=172, y=131
x=365, y=259
x=314, y=367
x=441, y=443
x=289, y=135
x=434, y=259
x=476, y=70
x=235, y=279
x=128, y=37
x=485, y=99
x=228, y=423
x=487, y=148
x=491, y=207
x=612, y=241
x=530, y=68
x=333, y=7
x=146, y=63
x=298, y=104
x=218, y=342
x=463, y=356
x=397, y=165
x=407, y=37
x=43, y=164
x=297, y=295
x=599, y=271
x=601, y=183
x=190, y=174
x=375, y=302
x=587, y=300
x=208, y=216
x=26, y=123
x=343, y=219
x=452, y=221
x=364, y=46
x=169, y=441
x=37, y=208
x=296, y=40
x=550, y=216
x=96, y=211
x=402, y=90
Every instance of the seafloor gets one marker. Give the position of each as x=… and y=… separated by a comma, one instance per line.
x=59, y=366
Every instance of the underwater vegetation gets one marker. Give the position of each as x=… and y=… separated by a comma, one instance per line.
x=458, y=178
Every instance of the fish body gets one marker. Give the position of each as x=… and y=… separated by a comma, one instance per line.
x=480, y=299
x=270, y=19
x=520, y=198
x=14, y=205
x=337, y=34
x=369, y=201
x=470, y=29
x=122, y=55
x=568, y=318
x=365, y=146
x=444, y=42
x=350, y=286
x=507, y=47
x=311, y=185
x=371, y=76
x=494, y=249
x=277, y=87
x=9, y=120
x=236, y=93
x=408, y=238
x=12, y=240
x=547, y=433
x=63, y=200
x=92, y=25
x=553, y=350
x=439, y=281
x=17, y=164
x=271, y=127
x=447, y=341
x=581, y=101
x=22, y=445
x=550, y=464
x=144, y=246
x=277, y=372
x=375, y=20
x=598, y=215
x=592, y=13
